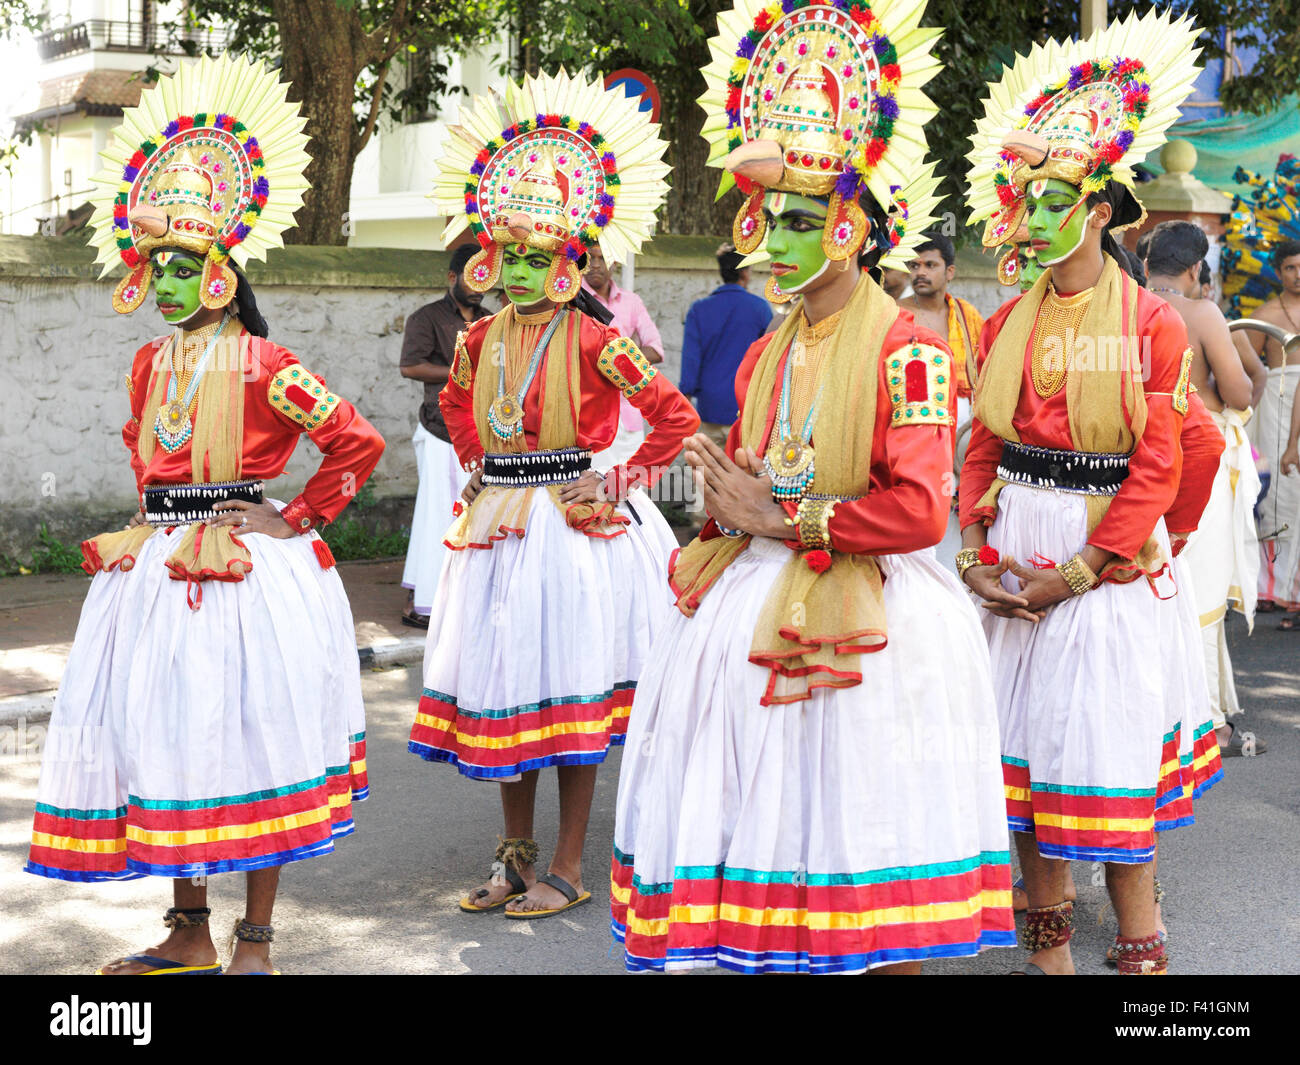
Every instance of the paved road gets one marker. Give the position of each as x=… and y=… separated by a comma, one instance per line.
x=384, y=902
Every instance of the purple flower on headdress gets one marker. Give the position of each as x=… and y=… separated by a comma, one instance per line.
x=571, y=253
x=171, y=129
x=605, y=200
x=1077, y=75
x=847, y=184
x=733, y=116
x=602, y=219
x=250, y=144
x=242, y=230
x=119, y=223
x=261, y=187
x=471, y=205
x=746, y=48
x=219, y=122
x=476, y=168
x=789, y=5
x=880, y=44
x=887, y=106
x=130, y=173
x=1125, y=140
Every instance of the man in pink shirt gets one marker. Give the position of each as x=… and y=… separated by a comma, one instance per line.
x=632, y=320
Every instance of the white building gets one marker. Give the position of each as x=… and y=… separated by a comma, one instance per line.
x=75, y=78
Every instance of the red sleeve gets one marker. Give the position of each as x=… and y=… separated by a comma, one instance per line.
x=671, y=417
x=906, y=507
x=457, y=402
x=983, y=452
x=744, y=374
x=1202, y=445
x=350, y=448
x=1156, y=465
x=137, y=384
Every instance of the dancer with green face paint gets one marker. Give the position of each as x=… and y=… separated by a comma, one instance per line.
x=762, y=824
x=215, y=658
x=554, y=586
x=1076, y=457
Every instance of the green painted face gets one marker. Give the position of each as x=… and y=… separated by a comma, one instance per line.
x=794, y=239
x=1030, y=270
x=1054, y=232
x=523, y=274
x=177, y=278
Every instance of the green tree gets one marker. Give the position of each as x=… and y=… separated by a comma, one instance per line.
x=341, y=56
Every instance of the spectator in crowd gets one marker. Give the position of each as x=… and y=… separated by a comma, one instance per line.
x=895, y=283
x=934, y=307
x=632, y=320
x=719, y=329
x=428, y=347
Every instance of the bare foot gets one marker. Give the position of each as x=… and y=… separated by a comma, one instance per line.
x=187, y=946
x=543, y=896
x=488, y=894
x=1054, y=961
x=250, y=958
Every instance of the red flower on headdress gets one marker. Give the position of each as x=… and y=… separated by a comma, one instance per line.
x=733, y=98
x=890, y=72
x=818, y=561
x=763, y=21
x=1111, y=152
x=185, y=122
x=874, y=151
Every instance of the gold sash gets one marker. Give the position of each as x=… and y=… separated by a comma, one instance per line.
x=814, y=626
x=498, y=511
x=1102, y=383
x=216, y=454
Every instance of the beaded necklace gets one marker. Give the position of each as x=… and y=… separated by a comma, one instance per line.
x=506, y=414
x=790, y=460
x=173, y=426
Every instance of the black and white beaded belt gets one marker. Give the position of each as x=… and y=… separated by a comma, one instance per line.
x=1090, y=473
x=184, y=504
x=528, y=469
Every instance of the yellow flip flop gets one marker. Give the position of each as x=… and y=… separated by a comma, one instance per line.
x=165, y=967
x=517, y=888
x=564, y=888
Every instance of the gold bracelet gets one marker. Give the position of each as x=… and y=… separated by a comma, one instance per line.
x=1078, y=575
x=965, y=558
x=813, y=518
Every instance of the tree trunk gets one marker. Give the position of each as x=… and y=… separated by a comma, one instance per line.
x=691, y=208
x=318, y=42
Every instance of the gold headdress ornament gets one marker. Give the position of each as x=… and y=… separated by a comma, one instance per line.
x=823, y=98
x=559, y=164
x=1083, y=112
x=211, y=160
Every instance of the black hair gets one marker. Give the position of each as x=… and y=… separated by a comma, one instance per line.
x=460, y=257
x=246, y=305
x=933, y=240
x=1124, y=211
x=1283, y=251
x=1176, y=246
x=1131, y=265
x=877, y=245
x=1206, y=277
x=729, y=266
x=1143, y=243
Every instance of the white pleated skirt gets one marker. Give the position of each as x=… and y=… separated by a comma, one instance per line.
x=189, y=742
x=1103, y=705
x=861, y=827
x=535, y=644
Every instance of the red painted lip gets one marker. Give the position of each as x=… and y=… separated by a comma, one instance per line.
x=169, y=308
x=783, y=268
x=1038, y=245
x=518, y=289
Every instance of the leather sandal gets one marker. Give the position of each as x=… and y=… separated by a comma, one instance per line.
x=186, y=918
x=564, y=888
x=510, y=856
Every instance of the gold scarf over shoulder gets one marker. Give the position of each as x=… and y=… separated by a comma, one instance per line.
x=498, y=512
x=814, y=626
x=1103, y=390
x=216, y=454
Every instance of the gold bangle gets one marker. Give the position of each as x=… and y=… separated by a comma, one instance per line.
x=1078, y=575
x=813, y=518
x=965, y=558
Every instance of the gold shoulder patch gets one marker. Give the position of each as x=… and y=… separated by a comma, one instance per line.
x=622, y=363
x=921, y=387
x=1184, y=379
x=462, y=371
x=301, y=397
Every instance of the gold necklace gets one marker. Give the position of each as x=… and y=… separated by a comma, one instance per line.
x=1059, y=319
x=190, y=350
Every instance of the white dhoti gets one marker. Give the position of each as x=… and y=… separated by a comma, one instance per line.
x=1224, y=558
x=441, y=482
x=1279, y=513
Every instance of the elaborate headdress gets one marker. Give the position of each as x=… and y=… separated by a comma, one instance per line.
x=823, y=98
x=1083, y=112
x=560, y=164
x=211, y=160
